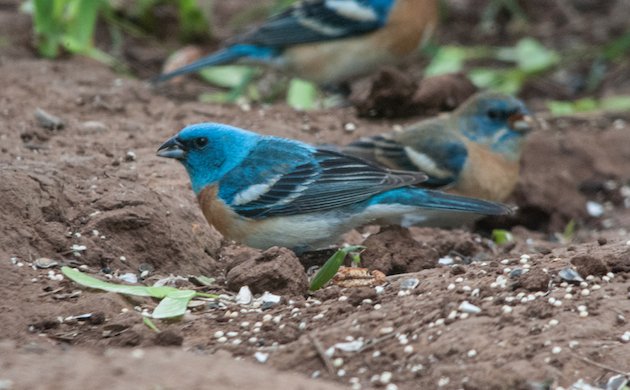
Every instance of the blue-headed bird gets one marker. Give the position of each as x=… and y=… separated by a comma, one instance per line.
x=267, y=191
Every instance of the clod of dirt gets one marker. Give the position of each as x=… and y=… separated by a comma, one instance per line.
x=535, y=280
x=168, y=338
x=392, y=93
x=277, y=270
x=443, y=93
x=589, y=265
x=393, y=251
x=357, y=295
x=619, y=263
x=539, y=309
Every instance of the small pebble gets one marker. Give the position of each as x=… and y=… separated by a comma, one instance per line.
x=385, y=377
x=261, y=357
x=585, y=292
x=472, y=353
x=556, y=350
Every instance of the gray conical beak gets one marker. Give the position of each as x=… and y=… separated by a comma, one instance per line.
x=172, y=148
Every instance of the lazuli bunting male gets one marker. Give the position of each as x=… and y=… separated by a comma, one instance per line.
x=330, y=41
x=266, y=191
x=474, y=151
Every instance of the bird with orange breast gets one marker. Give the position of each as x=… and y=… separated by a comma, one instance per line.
x=474, y=151
x=330, y=42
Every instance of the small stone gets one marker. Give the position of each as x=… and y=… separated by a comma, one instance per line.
x=556, y=350
x=129, y=278
x=244, y=296
x=594, y=209
x=625, y=338
x=386, y=330
x=409, y=284
x=570, y=275
x=261, y=357
x=467, y=307
x=408, y=349
x=44, y=263
x=338, y=362
x=47, y=120
x=585, y=292
x=471, y=354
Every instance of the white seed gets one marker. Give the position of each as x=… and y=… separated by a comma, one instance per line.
x=472, y=353
x=385, y=377
x=408, y=349
x=583, y=314
x=218, y=334
x=585, y=292
x=556, y=350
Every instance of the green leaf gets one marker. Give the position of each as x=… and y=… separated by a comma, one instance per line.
x=560, y=108
x=192, y=20
x=569, y=231
x=332, y=265
x=302, y=95
x=142, y=291
x=449, y=59
x=500, y=236
x=147, y=321
x=228, y=76
x=81, y=28
x=532, y=56
x=618, y=48
x=508, y=81
x=173, y=305
x=616, y=103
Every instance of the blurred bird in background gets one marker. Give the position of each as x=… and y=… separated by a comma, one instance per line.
x=330, y=42
x=265, y=191
x=474, y=151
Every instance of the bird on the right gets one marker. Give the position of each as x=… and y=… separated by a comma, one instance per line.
x=474, y=151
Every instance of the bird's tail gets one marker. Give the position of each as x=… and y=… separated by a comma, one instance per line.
x=222, y=57
x=437, y=200
x=443, y=201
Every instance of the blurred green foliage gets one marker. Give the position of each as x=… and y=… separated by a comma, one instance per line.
x=526, y=59
x=70, y=25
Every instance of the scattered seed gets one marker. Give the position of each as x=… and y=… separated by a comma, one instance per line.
x=556, y=350
x=585, y=292
x=385, y=377
x=471, y=354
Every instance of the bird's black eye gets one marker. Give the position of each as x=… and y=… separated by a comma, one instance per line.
x=494, y=114
x=200, y=143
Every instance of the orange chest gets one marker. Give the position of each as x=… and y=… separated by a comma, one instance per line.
x=487, y=175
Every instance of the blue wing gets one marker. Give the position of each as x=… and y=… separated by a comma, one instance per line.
x=281, y=178
x=319, y=20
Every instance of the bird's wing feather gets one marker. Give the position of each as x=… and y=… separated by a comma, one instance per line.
x=317, y=20
x=429, y=148
x=318, y=180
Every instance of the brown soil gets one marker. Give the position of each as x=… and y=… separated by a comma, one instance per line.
x=96, y=182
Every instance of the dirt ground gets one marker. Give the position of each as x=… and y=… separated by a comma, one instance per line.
x=96, y=182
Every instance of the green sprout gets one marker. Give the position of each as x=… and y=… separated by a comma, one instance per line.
x=332, y=265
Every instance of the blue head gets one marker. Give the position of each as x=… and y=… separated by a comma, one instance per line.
x=208, y=151
x=496, y=120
